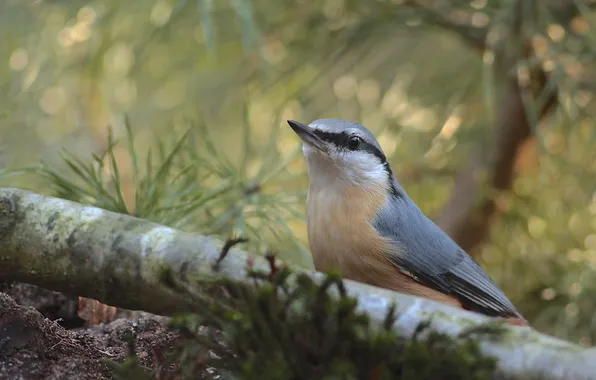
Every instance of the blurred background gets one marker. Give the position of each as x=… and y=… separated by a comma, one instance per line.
x=175, y=111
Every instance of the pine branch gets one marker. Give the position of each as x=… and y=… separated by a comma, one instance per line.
x=121, y=260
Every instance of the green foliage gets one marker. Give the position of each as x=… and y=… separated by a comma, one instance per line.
x=168, y=189
x=189, y=183
x=286, y=326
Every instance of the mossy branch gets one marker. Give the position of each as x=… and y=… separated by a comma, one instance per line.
x=121, y=260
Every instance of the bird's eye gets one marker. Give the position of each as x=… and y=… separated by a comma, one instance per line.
x=354, y=142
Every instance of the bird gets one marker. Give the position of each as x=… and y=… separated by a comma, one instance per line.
x=362, y=223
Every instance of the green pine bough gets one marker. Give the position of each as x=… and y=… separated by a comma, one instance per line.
x=277, y=322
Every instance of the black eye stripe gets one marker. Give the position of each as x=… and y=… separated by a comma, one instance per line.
x=341, y=140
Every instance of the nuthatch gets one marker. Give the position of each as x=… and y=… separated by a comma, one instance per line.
x=360, y=221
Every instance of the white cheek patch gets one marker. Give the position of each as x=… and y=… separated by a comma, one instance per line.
x=342, y=167
x=306, y=149
x=362, y=168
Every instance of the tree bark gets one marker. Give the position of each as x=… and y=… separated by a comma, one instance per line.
x=119, y=260
x=468, y=214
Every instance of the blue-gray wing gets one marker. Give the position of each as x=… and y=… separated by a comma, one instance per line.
x=431, y=257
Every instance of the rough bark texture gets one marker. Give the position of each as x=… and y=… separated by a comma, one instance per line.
x=87, y=251
x=118, y=259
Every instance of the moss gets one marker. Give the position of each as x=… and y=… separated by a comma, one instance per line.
x=286, y=326
x=7, y=216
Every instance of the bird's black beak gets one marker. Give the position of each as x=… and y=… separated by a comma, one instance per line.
x=306, y=134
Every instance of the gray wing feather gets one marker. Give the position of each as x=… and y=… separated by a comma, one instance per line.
x=432, y=258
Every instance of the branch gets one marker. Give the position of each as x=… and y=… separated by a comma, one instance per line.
x=468, y=214
x=120, y=260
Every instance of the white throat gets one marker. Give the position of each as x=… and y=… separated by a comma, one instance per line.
x=344, y=169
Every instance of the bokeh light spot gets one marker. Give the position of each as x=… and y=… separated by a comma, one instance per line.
x=18, y=59
x=556, y=32
x=549, y=294
x=345, y=87
x=52, y=100
x=160, y=13
x=119, y=59
x=536, y=226
x=86, y=15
